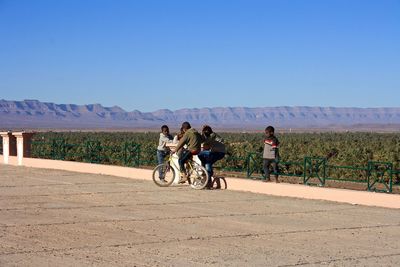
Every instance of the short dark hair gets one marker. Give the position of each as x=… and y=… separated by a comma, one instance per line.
x=186, y=125
x=270, y=129
x=207, y=128
x=164, y=127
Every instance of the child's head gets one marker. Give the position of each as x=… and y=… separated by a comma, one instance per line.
x=207, y=131
x=186, y=126
x=165, y=129
x=269, y=131
x=181, y=133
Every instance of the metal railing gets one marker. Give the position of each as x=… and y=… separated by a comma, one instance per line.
x=377, y=176
x=127, y=154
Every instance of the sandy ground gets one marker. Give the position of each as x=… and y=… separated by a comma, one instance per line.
x=59, y=218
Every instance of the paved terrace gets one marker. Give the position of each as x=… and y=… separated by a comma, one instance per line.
x=60, y=218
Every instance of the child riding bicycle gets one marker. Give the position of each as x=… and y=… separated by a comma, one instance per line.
x=193, y=140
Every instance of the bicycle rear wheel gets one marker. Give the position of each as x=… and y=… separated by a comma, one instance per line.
x=219, y=182
x=163, y=175
x=198, y=177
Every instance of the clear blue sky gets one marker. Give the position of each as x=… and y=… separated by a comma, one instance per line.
x=149, y=55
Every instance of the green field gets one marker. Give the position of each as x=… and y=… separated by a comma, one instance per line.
x=349, y=148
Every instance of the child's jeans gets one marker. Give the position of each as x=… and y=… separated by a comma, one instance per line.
x=184, y=156
x=161, y=156
x=208, y=158
x=267, y=164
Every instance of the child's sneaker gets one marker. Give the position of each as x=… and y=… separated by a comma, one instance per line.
x=183, y=178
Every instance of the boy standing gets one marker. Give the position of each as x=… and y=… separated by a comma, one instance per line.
x=162, y=149
x=271, y=153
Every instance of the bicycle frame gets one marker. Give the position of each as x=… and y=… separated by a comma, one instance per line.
x=173, y=163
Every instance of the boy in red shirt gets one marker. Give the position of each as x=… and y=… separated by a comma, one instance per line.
x=271, y=153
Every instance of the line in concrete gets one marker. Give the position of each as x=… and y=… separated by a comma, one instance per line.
x=196, y=238
x=128, y=205
x=50, y=185
x=78, y=194
x=47, y=180
x=175, y=218
x=341, y=259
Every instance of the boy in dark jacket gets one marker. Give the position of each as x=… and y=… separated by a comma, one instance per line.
x=213, y=150
x=271, y=153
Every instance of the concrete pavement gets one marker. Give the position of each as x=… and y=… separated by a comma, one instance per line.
x=60, y=218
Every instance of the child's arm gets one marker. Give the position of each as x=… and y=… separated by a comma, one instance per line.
x=273, y=142
x=181, y=143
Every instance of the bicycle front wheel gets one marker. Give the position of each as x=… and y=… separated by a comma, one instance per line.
x=163, y=175
x=198, y=177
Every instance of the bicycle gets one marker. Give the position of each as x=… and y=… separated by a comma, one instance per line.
x=165, y=174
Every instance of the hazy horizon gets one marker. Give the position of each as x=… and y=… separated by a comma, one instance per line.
x=216, y=107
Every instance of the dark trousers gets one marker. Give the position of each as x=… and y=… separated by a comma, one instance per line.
x=208, y=158
x=267, y=164
x=161, y=156
x=183, y=157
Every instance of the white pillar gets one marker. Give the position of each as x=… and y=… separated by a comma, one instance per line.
x=23, y=145
x=9, y=148
x=6, y=146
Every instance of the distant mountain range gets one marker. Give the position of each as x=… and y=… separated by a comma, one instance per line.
x=35, y=114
